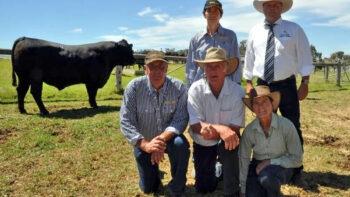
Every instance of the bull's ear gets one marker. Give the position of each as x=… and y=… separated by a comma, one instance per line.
x=131, y=45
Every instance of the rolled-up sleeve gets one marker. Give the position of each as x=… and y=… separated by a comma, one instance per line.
x=294, y=156
x=249, y=59
x=304, y=56
x=191, y=66
x=193, y=107
x=245, y=150
x=180, y=119
x=128, y=117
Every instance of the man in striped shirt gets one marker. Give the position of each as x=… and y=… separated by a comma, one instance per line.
x=153, y=117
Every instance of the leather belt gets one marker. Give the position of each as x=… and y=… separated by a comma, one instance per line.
x=281, y=81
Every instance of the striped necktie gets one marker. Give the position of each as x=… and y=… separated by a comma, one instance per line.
x=270, y=55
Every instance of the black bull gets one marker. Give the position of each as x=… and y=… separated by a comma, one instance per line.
x=36, y=61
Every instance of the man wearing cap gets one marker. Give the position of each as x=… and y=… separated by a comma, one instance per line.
x=153, y=117
x=213, y=36
x=275, y=144
x=278, y=50
x=216, y=115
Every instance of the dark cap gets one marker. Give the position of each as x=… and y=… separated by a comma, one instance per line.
x=155, y=56
x=213, y=3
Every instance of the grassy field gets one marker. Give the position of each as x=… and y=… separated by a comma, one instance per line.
x=79, y=151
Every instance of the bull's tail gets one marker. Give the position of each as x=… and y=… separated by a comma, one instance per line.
x=14, y=80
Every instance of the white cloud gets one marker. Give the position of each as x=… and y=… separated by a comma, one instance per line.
x=115, y=38
x=161, y=17
x=123, y=28
x=77, y=30
x=343, y=21
x=145, y=11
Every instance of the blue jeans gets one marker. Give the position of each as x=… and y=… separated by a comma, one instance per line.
x=204, y=164
x=268, y=182
x=178, y=152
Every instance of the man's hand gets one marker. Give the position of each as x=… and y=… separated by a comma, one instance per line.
x=262, y=165
x=157, y=144
x=249, y=87
x=303, y=91
x=230, y=138
x=157, y=157
x=209, y=132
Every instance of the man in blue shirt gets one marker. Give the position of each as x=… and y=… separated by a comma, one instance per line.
x=213, y=36
x=153, y=117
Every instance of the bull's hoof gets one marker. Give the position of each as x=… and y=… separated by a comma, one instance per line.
x=45, y=113
x=22, y=111
x=95, y=106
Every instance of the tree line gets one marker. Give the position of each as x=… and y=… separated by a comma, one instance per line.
x=338, y=56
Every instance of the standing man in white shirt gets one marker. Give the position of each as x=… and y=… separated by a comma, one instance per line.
x=216, y=113
x=278, y=50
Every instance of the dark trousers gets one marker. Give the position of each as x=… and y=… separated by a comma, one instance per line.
x=268, y=182
x=204, y=164
x=178, y=152
x=289, y=104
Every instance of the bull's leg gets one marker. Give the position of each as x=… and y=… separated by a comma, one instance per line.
x=92, y=91
x=36, y=91
x=22, y=90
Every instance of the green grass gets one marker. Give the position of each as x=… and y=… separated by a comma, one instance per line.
x=79, y=151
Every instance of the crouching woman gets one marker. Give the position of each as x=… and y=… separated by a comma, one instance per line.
x=275, y=144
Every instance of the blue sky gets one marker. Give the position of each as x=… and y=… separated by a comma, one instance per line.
x=160, y=24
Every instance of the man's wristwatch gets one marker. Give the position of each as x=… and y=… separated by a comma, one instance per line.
x=305, y=81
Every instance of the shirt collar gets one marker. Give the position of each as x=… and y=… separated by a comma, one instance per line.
x=153, y=91
x=220, y=31
x=224, y=91
x=274, y=125
x=278, y=22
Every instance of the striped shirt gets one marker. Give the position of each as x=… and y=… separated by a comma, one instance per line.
x=143, y=115
x=225, y=39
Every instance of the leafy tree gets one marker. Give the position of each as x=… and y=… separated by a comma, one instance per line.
x=316, y=56
x=242, y=47
x=339, y=55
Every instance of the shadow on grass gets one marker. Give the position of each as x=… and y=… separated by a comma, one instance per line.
x=329, y=90
x=326, y=179
x=82, y=112
x=65, y=100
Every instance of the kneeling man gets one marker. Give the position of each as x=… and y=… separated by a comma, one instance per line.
x=216, y=114
x=275, y=144
x=153, y=117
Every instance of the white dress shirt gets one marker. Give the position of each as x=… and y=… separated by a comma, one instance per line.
x=227, y=109
x=292, y=51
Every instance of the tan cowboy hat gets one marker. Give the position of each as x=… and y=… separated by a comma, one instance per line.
x=260, y=91
x=155, y=56
x=218, y=55
x=287, y=4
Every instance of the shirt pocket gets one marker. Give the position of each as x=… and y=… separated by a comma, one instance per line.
x=168, y=111
x=225, y=117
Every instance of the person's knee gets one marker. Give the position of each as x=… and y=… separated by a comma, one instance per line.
x=182, y=145
x=269, y=182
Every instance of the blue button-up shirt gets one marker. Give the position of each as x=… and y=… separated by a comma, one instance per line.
x=143, y=114
x=223, y=38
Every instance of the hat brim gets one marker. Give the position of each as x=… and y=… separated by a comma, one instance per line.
x=155, y=59
x=287, y=4
x=232, y=63
x=276, y=97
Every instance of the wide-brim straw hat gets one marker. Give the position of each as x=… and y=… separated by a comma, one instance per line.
x=287, y=4
x=260, y=91
x=155, y=56
x=219, y=55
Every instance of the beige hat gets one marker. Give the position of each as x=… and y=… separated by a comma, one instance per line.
x=287, y=4
x=260, y=91
x=154, y=56
x=218, y=55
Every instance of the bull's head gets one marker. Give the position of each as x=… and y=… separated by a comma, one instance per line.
x=125, y=53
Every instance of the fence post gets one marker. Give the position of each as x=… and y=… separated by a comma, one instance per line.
x=326, y=70
x=118, y=77
x=338, y=73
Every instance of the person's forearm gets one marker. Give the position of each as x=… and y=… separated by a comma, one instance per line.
x=167, y=135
